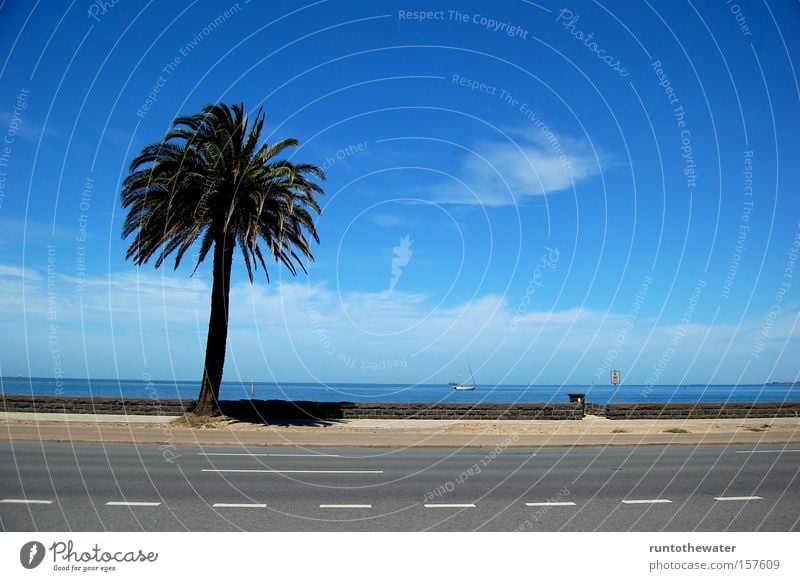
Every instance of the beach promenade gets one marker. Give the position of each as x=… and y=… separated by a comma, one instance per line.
x=591, y=431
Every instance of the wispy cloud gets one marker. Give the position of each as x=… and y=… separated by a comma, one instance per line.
x=391, y=220
x=18, y=272
x=528, y=165
x=294, y=330
x=30, y=130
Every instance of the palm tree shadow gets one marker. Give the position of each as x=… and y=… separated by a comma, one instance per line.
x=292, y=422
x=284, y=413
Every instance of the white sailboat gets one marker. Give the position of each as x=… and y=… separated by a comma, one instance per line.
x=469, y=385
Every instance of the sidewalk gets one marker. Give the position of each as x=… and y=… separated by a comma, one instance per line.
x=591, y=431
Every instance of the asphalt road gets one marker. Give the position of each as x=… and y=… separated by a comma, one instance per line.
x=121, y=487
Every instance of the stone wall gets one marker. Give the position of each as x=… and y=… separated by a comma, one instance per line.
x=278, y=409
x=595, y=409
x=672, y=411
x=452, y=411
x=97, y=405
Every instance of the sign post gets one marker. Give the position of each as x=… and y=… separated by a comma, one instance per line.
x=614, y=382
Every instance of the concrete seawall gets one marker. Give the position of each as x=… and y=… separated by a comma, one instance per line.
x=272, y=409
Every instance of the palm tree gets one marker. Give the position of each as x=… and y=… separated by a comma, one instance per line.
x=210, y=182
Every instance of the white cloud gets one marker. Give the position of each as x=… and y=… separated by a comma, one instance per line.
x=156, y=322
x=18, y=272
x=391, y=220
x=525, y=167
x=30, y=130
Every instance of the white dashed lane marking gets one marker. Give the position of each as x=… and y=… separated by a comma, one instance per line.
x=123, y=503
x=465, y=505
x=550, y=504
x=266, y=471
x=345, y=506
x=28, y=501
x=246, y=454
x=237, y=505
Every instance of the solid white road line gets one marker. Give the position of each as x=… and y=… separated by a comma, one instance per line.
x=567, y=503
x=738, y=498
x=466, y=505
x=294, y=471
x=651, y=501
x=237, y=505
x=271, y=455
x=122, y=503
x=24, y=501
x=765, y=451
x=345, y=506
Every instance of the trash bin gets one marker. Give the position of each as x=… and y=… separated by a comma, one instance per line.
x=578, y=398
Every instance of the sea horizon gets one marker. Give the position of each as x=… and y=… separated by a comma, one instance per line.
x=403, y=392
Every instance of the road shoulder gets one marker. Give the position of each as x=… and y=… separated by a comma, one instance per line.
x=591, y=431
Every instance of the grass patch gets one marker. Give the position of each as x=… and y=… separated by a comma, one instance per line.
x=677, y=431
x=761, y=428
x=200, y=422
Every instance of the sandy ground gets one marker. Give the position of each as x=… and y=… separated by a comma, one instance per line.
x=788, y=428
x=590, y=425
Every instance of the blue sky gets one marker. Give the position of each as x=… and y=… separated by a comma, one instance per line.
x=549, y=190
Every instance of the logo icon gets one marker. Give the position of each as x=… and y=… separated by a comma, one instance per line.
x=31, y=554
x=402, y=256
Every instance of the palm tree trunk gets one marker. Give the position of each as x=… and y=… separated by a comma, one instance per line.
x=208, y=399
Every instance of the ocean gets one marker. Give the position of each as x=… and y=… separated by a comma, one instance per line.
x=402, y=393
